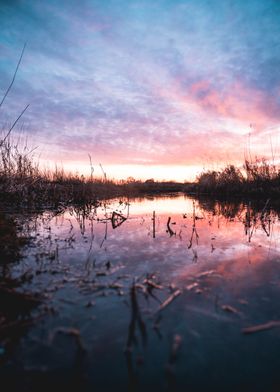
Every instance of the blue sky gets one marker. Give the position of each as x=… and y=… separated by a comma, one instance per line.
x=146, y=87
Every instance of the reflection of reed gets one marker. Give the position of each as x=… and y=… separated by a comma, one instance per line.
x=88, y=264
x=146, y=288
x=170, y=367
x=253, y=219
x=253, y=214
x=136, y=319
x=194, y=231
x=154, y=224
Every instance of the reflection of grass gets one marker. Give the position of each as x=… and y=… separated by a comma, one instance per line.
x=258, y=177
x=11, y=243
x=255, y=214
x=15, y=306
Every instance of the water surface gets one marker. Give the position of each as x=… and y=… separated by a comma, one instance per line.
x=105, y=323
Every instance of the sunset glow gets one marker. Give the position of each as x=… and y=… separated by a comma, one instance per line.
x=160, y=89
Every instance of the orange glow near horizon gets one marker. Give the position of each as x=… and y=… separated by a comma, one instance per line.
x=178, y=173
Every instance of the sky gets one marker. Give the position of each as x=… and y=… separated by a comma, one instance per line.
x=150, y=89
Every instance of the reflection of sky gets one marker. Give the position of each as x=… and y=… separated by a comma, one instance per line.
x=161, y=206
x=139, y=82
x=238, y=287
x=222, y=245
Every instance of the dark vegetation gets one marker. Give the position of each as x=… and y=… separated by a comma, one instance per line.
x=22, y=183
x=11, y=242
x=257, y=178
x=15, y=305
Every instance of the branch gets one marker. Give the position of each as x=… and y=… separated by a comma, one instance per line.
x=12, y=127
x=15, y=73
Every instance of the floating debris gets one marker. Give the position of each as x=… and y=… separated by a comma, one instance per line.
x=152, y=284
x=169, y=300
x=230, y=309
x=192, y=286
x=117, y=219
x=169, y=230
x=261, y=327
x=206, y=273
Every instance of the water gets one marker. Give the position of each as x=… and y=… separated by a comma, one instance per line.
x=102, y=325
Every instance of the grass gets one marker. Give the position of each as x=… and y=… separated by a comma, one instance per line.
x=257, y=178
x=23, y=183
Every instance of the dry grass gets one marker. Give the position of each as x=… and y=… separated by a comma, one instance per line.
x=23, y=183
x=258, y=177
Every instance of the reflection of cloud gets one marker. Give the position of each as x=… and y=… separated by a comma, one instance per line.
x=130, y=82
x=233, y=255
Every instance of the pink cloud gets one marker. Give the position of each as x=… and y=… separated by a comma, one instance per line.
x=237, y=102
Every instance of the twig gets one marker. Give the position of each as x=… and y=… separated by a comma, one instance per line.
x=169, y=300
x=261, y=327
x=117, y=219
x=152, y=284
x=169, y=230
x=12, y=127
x=104, y=174
x=91, y=168
x=15, y=73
